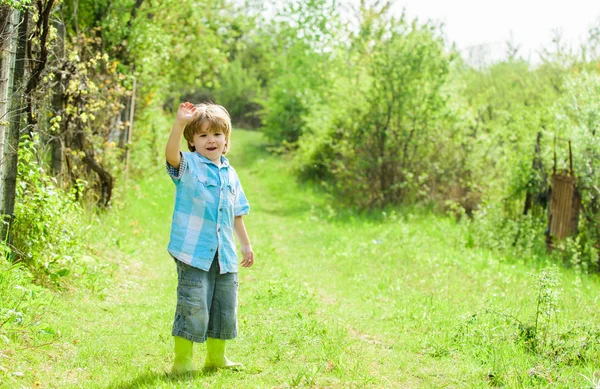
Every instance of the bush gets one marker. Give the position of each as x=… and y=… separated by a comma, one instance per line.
x=22, y=302
x=303, y=38
x=47, y=228
x=578, y=119
x=240, y=92
x=284, y=121
x=378, y=136
x=152, y=127
x=518, y=238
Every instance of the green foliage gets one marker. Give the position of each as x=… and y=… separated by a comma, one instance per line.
x=509, y=104
x=578, y=119
x=80, y=115
x=173, y=48
x=149, y=138
x=17, y=4
x=286, y=107
x=511, y=237
x=301, y=40
x=47, y=229
x=48, y=250
x=380, y=150
x=184, y=46
x=22, y=301
x=240, y=92
x=543, y=335
x=323, y=140
x=548, y=286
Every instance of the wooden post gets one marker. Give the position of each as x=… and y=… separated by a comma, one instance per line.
x=122, y=118
x=130, y=129
x=10, y=153
x=9, y=20
x=57, y=107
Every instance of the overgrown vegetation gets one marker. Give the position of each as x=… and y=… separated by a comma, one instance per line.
x=375, y=107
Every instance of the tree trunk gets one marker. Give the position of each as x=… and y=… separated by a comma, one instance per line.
x=42, y=32
x=11, y=146
x=106, y=179
x=9, y=20
x=537, y=193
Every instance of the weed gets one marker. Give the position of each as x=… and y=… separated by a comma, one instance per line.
x=593, y=380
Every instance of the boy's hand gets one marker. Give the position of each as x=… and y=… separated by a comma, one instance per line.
x=248, y=256
x=186, y=113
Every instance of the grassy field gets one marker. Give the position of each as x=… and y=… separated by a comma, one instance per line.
x=335, y=300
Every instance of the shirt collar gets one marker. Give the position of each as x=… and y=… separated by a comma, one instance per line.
x=224, y=161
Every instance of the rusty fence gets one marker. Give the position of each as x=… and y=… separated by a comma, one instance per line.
x=565, y=204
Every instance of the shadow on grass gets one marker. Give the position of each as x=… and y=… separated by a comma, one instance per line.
x=149, y=379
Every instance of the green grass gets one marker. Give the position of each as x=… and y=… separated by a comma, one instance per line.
x=335, y=300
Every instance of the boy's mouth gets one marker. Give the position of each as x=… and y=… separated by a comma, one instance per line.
x=211, y=148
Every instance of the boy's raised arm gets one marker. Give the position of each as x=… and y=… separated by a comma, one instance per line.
x=185, y=114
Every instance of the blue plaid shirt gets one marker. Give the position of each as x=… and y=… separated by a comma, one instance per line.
x=207, y=199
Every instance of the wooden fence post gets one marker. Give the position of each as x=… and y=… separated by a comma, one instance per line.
x=9, y=20
x=10, y=145
x=130, y=129
x=57, y=107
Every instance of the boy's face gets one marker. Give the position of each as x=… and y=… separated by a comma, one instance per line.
x=210, y=144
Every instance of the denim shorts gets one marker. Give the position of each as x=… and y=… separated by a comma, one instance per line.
x=206, y=303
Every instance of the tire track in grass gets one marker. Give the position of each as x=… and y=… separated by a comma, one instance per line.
x=299, y=240
x=340, y=352
x=313, y=245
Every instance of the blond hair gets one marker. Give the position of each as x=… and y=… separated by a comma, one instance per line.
x=209, y=118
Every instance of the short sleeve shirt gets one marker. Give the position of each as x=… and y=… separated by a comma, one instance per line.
x=207, y=200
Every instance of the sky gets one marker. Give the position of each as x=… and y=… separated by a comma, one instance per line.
x=473, y=24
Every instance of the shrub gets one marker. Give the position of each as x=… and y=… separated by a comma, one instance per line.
x=379, y=134
x=22, y=300
x=303, y=38
x=578, y=119
x=46, y=230
x=240, y=92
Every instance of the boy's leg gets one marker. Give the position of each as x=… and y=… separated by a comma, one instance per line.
x=192, y=314
x=223, y=321
x=194, y=294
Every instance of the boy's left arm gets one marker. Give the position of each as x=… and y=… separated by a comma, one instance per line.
x=240, y=231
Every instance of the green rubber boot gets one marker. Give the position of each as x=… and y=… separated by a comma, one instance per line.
x=215, y=356
x=183, y=356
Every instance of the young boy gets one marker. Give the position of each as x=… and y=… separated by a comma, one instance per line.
x=209, y=205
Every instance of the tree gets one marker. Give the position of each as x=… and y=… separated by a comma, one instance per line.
x=11, y=139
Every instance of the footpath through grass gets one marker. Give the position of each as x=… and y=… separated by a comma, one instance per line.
x=333, y=301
